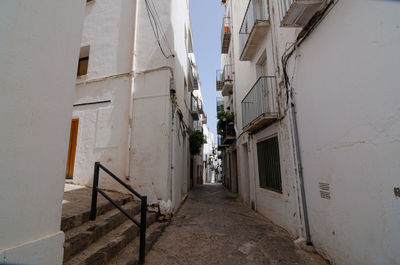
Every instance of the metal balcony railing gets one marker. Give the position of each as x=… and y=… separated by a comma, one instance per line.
x=227, y=73
x=225, y=34
x=225, y=80
x=256, y=15
x=227, y=133
x=204, y=120
x=220, y=104
x=200, y=106
x=221, y=145
x=219, y=83
x=259, y=105
x=219, y=140
x=193, y=76
x=194, y=108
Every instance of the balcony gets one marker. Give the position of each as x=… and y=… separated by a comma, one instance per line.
x=227, y=133
x=254, y=27
x=225, y=80
x=295, y=13
x=225, y=35
x=193, y=77
x=221, y=146
x=200, y=105
x=220, y=104
x=204, y=120
x=194, y=108
x=259, y=106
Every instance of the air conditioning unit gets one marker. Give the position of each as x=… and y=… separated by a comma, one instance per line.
x=296, y=13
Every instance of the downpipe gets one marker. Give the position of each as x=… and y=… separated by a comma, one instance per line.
x=133, y=67
x=301, y=177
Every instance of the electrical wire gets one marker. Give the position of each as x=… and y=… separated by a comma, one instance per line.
x=154, y=22
x=307, y=30
x=161, y=27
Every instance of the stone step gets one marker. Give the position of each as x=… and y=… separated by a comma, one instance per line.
x=79, y=238
x=130, y=254
x=74, y=220
x=108, y=246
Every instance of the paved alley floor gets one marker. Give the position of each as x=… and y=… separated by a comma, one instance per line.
x=214, y=227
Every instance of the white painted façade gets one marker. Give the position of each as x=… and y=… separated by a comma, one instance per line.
x=314, y=92
x=132, y=109
x=137, y=99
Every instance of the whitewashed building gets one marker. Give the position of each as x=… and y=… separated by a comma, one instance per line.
x=137, y=99
x=209, y=156
x=39, y=47
x=314, y=93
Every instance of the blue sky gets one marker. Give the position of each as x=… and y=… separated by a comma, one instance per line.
x=206, y=17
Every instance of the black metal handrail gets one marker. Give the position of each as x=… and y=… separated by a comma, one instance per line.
x=141, y=224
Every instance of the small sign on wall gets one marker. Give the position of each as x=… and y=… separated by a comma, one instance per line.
x=397, y=192
x=324, y=190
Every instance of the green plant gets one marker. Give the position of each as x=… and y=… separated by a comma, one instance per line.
x=230, y=116
x=222, y=117
x=196, y=140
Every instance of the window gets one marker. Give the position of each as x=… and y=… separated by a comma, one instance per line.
x=269, y=169
x=83, y=66
x=83, y=61
x=186, y=91
x=261, y=66
x=190, y=44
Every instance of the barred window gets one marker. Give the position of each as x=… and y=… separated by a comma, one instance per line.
x=269, y=169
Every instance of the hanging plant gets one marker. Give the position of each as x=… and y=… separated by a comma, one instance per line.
x=196, y=140
x=230, y=116
x=223, y=117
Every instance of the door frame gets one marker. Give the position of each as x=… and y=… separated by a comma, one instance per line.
x=73, y=139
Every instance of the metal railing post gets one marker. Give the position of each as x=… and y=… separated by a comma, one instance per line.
x=142, y=250
x=93, y=209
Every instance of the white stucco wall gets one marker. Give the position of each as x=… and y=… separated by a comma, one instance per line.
x=347, y=96
x=103, y=129
x=39, y=47
x=151, y=131
x=160, y=153
x=283, y=209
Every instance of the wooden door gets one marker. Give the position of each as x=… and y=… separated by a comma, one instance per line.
x=72, y=148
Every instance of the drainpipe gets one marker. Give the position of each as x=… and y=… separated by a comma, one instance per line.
x=271, y=10
x=301, y=177
x=172, y=169
x=128, y=157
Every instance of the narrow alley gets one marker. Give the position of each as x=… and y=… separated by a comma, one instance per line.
x=185, y=132
x=214, y=227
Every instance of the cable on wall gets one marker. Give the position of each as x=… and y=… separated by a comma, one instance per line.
x=161, y=27
x=306, y=31
x=157, y=28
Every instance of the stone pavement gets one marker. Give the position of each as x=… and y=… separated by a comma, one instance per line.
x=214, y=227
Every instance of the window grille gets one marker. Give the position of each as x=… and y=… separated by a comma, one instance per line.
x=269, y=170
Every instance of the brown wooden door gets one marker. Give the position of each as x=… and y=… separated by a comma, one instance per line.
x=72, y=148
